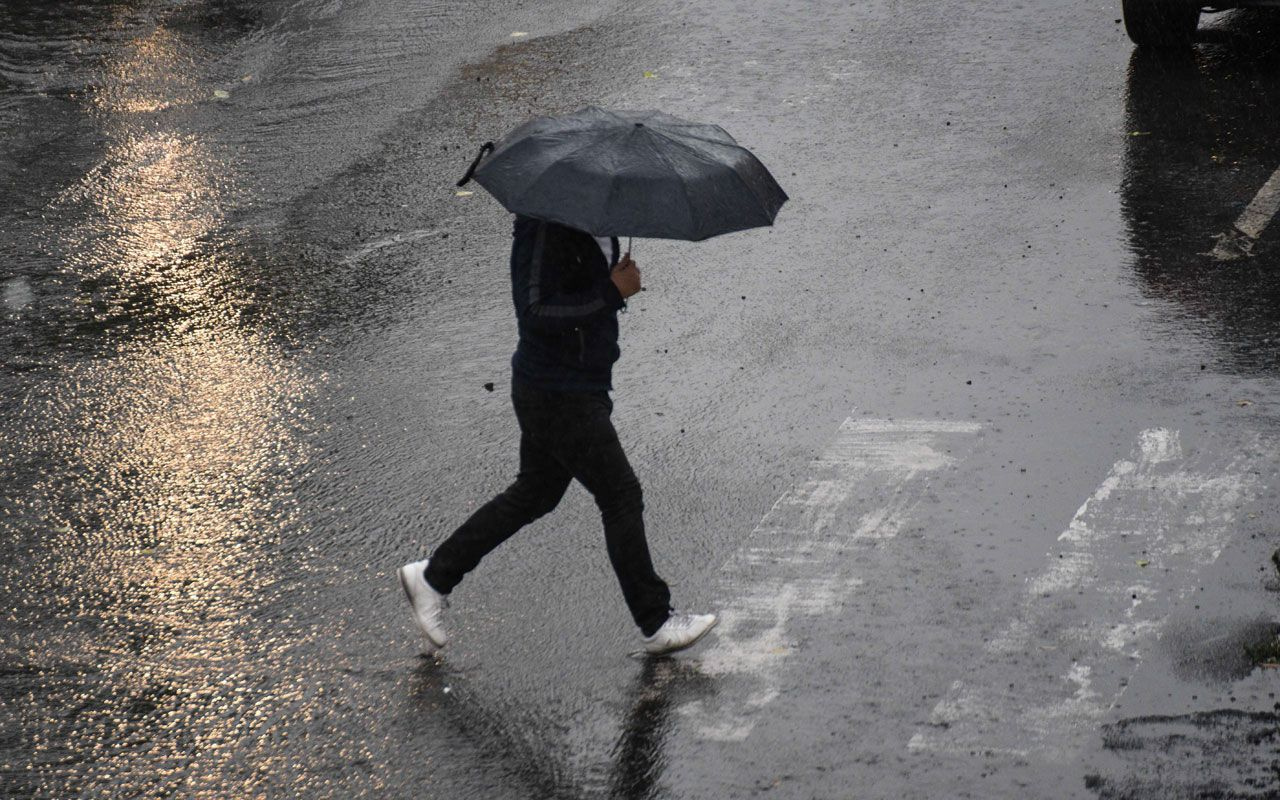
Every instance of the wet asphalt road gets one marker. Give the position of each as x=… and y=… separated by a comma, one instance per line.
x=975, y=451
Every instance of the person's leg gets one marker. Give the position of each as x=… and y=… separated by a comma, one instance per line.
x=588, y=447
x=538, y=488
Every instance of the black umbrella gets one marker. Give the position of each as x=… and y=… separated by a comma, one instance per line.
x=629, y=173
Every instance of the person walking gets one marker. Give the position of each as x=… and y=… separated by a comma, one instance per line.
x=568, y=287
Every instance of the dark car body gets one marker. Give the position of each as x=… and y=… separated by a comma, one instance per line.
x=1172, y=23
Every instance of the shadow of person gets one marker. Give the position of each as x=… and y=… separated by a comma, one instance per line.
x=508, y=739
x=479, y=742
x=639, y=756
x=1203, y=142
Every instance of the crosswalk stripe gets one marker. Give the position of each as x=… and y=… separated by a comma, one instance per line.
x=1125, y=560
x=792, y=563
x=1255, y=219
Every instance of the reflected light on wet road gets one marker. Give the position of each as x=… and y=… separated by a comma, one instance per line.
x=162, y=466
x=152, y=73
x=146, y=206
x=175, y=462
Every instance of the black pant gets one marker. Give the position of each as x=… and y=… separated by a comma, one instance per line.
x=564, y=435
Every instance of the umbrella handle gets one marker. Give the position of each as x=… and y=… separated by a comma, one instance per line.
x=485, y=149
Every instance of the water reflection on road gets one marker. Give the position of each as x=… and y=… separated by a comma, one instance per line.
x=636, y=763
x=1203, y=137
x=148, y=473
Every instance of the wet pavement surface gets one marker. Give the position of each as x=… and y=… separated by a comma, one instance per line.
x=975, y=452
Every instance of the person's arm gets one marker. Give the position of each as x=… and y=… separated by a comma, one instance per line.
x=541, y=301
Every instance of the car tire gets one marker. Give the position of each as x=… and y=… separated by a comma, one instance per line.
x=1161, y=23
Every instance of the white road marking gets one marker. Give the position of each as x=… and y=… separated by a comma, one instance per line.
x=394, y=239
x=1126, y=559
x=792, y=564
x=1239, y=241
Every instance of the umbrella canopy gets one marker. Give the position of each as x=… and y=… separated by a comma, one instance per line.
x=630, y=173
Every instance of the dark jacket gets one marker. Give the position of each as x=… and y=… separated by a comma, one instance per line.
x=566, y=308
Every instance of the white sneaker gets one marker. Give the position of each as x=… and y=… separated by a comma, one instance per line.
x=426, y=602
x=678, y=632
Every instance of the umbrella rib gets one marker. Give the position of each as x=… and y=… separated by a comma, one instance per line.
x=760, y=201
x=707, y=160
x=556, y=163
x=751, y=191
x=538, y=127
x=693, y=149
x=552, y=165
x=731, y=143
x=684, y=186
